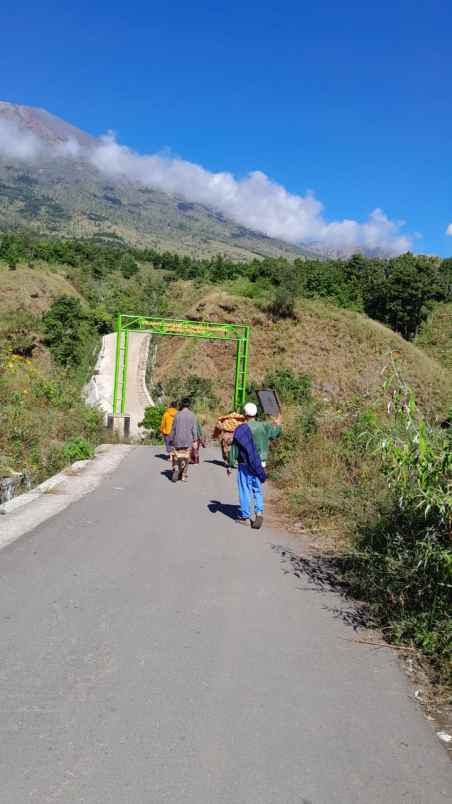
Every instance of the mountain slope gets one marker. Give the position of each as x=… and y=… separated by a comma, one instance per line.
x=70, y=197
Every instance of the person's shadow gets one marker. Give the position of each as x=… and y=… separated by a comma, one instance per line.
x=216, y=462
x=231, y=511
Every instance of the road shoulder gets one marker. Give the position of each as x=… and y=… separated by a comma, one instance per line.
x=23, y=513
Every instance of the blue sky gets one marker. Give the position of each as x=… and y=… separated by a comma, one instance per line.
x=350, y=100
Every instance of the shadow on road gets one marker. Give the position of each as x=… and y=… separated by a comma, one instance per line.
x=324, y=574
x=231, y=511
x=168, y=473
x=216, y=462
x=162, y=456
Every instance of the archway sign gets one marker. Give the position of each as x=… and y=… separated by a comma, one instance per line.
x=208, y=330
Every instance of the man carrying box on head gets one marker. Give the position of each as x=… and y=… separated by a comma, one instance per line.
x=249, y=452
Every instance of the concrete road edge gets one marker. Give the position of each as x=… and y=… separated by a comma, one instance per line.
x=23, y=513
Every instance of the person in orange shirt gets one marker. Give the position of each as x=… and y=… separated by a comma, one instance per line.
x=166, y=426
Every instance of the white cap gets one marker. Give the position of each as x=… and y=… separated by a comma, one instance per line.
x=250, y=409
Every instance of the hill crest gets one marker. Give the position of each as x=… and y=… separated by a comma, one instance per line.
x=68, y=196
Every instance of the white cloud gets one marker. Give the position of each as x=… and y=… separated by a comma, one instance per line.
x=17, y=144
x=449, y=230
x=254, y=201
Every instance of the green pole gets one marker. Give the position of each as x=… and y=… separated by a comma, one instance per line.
x=245, y=351
x=124, y=371
x=241, y=369
x=238, y=370
x=117, y=364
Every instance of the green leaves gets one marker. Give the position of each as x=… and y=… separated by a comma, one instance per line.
x=416, y=457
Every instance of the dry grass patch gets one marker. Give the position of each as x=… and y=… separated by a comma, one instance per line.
x=31, y=289
x=344, y=352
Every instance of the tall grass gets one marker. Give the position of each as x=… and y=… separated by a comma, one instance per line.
x=377, y=482
x=44, y=424
x=402, y=557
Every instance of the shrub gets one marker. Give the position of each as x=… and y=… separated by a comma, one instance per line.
x=291, y=387
x=282, y=305
x=41, y=413
x=294, y=390
x=151, y=421
x=18, y=331
x=402, y=561
x=284, y=449
x=128, y=266
x=66, y=330
x=198, y=389
x=77, y=449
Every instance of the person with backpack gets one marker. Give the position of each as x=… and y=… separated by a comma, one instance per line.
x=249, y=452
x=166, y=426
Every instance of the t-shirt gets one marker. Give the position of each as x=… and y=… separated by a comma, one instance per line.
x=263, y=433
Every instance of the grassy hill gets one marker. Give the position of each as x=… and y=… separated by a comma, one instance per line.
x=31, y=290
x=342, y=351
x=435, y=336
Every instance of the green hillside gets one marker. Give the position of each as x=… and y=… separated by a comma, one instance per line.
x=72, y=199
x=435, y=336
x=67, y=196
x=370, y=485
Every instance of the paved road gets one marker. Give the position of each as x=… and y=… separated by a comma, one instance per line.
x=154, y=651
x=99, y=390
x=137, y=396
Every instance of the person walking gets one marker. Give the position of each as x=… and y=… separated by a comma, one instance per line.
x=224, y=432
x=249, y=452
x=166, y=425
x=184, y=435
x=200, y=442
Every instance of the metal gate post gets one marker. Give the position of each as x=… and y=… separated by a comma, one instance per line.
x=241, y=370
x=238, y=367
x=124, y=371
x=117, y=364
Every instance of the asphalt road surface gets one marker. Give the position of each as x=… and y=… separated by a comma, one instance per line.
x=154, y=651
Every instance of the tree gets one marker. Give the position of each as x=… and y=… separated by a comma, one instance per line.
x=282, y=305
x=67, y=330
x=128, y=266
x=399, y=293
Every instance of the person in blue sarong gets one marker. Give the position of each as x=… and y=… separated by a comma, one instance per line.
x=249, y=452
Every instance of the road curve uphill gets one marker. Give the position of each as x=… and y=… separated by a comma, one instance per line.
x=99, y=391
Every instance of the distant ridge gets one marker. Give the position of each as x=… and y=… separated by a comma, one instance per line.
x=44, y=125
x=70, y=197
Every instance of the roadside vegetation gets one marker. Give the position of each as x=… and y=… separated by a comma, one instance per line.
x=358, y=350
x=398, y=291
x=44, y=424
x=371, y=484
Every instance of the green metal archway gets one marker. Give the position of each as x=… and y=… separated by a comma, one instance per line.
x=207, y=330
